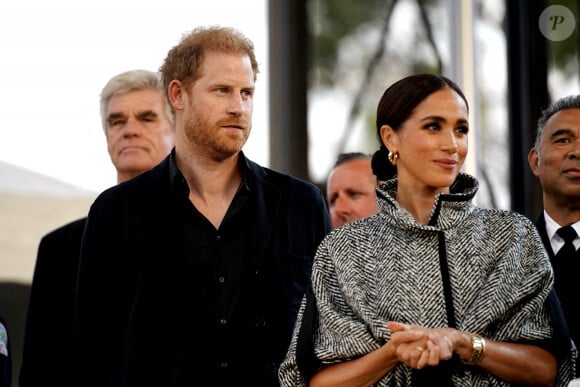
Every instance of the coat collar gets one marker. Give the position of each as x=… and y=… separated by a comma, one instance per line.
x=447, y=210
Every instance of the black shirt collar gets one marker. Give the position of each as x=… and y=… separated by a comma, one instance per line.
x=177, y=181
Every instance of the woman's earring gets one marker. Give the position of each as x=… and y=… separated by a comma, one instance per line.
x=393, y=157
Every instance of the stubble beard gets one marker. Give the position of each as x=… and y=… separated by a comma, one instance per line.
x=209, y=137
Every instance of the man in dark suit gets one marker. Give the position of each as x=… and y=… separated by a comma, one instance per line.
x=138, y=127
x=555, y=160
x=192, y=274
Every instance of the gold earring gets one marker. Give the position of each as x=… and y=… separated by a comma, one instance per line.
x=393, y=157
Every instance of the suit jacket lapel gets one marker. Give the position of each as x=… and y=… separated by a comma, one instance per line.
x=541, y=226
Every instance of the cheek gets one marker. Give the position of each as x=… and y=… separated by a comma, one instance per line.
x=249, y=108
x=551, y=161
x=462, y=148
x=113, y=141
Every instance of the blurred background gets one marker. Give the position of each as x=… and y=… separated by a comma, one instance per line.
x=324, y=65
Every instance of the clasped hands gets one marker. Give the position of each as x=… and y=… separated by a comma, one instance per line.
x=418, y=347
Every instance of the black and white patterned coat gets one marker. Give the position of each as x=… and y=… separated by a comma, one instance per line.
x=388, y=267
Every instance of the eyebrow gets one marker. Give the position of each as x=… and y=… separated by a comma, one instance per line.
x=562, y=131
x=228, y=86
x=114, y=116
x=442, y=119
x=147, y=113
x=143, y=114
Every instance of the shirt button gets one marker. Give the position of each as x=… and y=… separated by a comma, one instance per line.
x=224, y=364
x=223, y=321
x=218, y=238
x=221, y=280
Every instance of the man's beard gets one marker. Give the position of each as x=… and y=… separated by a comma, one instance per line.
x=210, y=137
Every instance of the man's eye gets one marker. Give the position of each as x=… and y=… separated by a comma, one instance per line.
x=117, y=123
x=562, y=140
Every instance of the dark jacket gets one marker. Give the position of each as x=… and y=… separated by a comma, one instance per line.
x=129, y=306
x=566, y=285
x=47, y=356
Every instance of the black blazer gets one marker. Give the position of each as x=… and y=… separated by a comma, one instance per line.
x=566, y=287
x=129, y=305
x=541, y=226
x=48, y=338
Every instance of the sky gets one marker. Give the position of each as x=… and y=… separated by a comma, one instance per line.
x=57, y=56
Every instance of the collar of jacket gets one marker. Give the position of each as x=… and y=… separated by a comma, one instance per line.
x=447, y=211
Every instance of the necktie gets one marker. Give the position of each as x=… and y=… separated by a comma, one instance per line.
x=568, y=234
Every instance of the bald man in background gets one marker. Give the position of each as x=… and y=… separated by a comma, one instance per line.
x=350, y=189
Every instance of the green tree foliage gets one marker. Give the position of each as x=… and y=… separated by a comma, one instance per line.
x=329, y=22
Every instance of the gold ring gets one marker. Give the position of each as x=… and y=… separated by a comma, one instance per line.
x=418, y=348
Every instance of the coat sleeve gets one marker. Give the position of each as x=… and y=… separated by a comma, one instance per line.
x=50, y=309
x=328, y=329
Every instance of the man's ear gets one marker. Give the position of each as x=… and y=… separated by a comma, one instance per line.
x=176, y=94
x=534, y=160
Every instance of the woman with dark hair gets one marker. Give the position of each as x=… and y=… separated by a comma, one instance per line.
x=432, y=290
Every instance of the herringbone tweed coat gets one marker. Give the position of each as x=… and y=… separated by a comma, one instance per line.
x=388, y=267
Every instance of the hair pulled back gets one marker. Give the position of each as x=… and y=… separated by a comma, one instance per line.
x=396, y=106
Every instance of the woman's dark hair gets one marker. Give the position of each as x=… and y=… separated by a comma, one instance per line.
x=397, y=104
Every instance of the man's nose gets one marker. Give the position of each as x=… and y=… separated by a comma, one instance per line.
x=132, y=127
x=341, y=205
x=237, y=105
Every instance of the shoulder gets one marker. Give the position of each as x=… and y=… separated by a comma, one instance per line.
x=504, y=226
x=504, y=217
x=512, y=231
x=136, y=190
x=284, y=182
x=358, y=236
x=74, y=228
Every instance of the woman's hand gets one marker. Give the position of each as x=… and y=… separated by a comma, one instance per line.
x=418, y=347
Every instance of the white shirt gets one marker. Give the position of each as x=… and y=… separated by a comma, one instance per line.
x=556, y=240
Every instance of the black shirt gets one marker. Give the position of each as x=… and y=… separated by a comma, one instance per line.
x=217, y=279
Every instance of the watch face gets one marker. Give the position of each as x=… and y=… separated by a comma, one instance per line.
x=478, y=345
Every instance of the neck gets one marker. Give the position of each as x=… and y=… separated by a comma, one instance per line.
x=209, y=178
x=419, y=202
x=212, y=185
x=565, y=212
